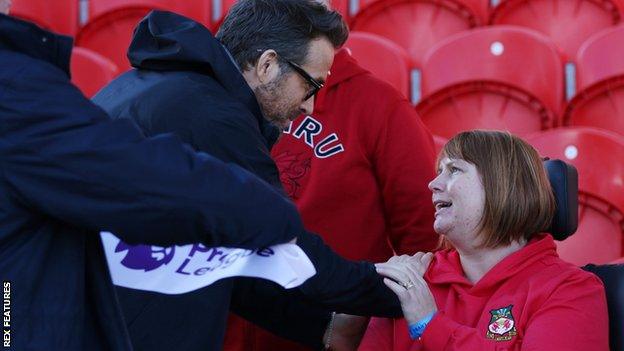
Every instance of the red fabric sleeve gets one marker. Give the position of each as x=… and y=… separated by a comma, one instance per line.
x=574, y=318
x=378, y=335
x=404, y=164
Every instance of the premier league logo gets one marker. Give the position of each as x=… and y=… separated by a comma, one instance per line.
x=145, y=257
x=502, y=326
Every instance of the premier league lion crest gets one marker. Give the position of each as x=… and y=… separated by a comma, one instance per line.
x=502, y=326
x=145, y=257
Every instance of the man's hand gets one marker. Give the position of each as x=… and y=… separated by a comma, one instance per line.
x=346, y=332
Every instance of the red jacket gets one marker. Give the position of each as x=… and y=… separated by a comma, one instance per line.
x=531, y=300
x=358, y=171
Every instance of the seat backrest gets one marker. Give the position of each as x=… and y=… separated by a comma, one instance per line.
x=597, y=155
x=220, y=9
x=59, y=15
x=512, y=56
x=612, y=277
x=112, y=22
x=567, y=23
x=563, y=179
x=439, y=143
x=383, y=58
x=91, y=71
x=199, y=10
x=600, y=58
x=599, y=101
x=415, y=25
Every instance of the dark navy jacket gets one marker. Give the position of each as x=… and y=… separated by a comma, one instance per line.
x=185, y=82
x=68, y=171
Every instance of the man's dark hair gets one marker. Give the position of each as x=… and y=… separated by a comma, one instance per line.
x=286, y=26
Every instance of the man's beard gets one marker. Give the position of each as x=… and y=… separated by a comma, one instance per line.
x=271, y=101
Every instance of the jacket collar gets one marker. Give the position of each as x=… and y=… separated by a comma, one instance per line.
x=446, y=267
x=28, y=39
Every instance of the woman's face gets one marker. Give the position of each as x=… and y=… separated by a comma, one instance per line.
x=459, y=198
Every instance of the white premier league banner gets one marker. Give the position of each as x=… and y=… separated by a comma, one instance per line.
x=180, y=269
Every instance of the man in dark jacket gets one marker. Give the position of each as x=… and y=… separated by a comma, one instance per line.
x=232, y=106
x=68, y=171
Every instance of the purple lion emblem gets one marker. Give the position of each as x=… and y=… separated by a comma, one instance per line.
x=145, y=257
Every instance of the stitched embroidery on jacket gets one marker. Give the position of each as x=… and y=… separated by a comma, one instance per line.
x=502, y=326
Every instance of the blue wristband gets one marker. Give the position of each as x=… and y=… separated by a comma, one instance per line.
x=417, y=329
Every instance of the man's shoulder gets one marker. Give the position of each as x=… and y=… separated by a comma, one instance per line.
x=202, y=95
x=18, y=66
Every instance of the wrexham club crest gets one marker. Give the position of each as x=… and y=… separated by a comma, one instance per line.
x=502, y=326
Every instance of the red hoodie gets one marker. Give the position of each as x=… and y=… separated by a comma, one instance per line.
x=358, y=170
x=531, y=300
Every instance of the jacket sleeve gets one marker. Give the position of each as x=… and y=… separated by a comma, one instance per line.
x=286, y=313
x=65, y=158
x=346, y=286
x=339, y=285
x=573, y=318
x=404, y=163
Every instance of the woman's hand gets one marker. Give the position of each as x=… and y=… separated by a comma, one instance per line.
x=404, y=276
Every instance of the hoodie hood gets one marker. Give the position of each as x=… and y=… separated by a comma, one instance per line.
x=344, y=68
x=28, y=39
x=165, y=41
x=446, y=266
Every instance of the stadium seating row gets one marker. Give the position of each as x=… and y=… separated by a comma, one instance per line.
x=464, y=75
x=504, y=77
x=416, y=25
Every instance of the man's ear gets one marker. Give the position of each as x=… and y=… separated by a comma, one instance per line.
x=267, y=68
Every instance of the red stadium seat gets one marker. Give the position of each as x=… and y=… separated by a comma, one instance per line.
x=220, y=10
x=568, y=23
x=91, y=71
x=59, y=15
x=597, y=155
x=342, y=6
x=383, y=58
x=618, y=261
x=439, y=143
x=112, y=22
x=501, y=77
x=417, y=25
x=600, y=82
x=479, y=7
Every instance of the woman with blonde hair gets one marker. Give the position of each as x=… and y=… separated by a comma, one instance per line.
x=500, y=285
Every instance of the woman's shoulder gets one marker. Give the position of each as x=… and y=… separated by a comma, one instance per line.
x=558, y=273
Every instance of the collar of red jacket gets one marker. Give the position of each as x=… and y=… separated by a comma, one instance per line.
x=446, y=267
x=343, y=68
